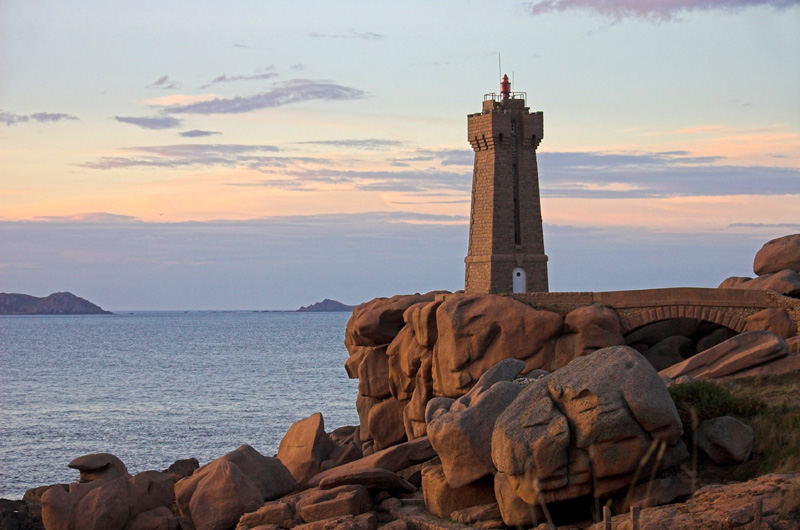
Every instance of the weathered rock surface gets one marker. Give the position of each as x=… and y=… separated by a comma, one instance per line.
x=584, y=429
x=725, y=440
x=304, y=447
x=378, y=321
x=718, y=506
x=477, y=331
x=732, y=357
x=310, y=506
x=587, y=329
x=461, y=431
x=110, y=503
x=441, y=499
x=217, y=494
x=183, y=468
x=392, y=458
x=778, y=254
x=98, y=466
x=774, y=320
x=374, y=478
x=785, y=282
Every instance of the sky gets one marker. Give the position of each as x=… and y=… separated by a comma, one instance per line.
x=161, y=155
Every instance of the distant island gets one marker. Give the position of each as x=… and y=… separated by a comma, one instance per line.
x=327, y=305
x=54, y=304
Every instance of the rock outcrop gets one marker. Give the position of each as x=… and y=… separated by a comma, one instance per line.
x=584, y=429
x=108, y=497
x=725, y=440
x=734, y=357
x=723, y=506
x=461, y=430
x=778, y=254
x=217, y=494
x=785, y=282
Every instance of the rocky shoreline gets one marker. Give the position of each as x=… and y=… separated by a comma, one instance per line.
x=480, y=411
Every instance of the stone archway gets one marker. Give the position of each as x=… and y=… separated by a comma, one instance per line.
x=632, y=319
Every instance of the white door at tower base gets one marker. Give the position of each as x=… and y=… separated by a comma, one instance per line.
x=519, y=280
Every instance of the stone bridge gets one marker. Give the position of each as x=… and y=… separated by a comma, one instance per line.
x=727, y=307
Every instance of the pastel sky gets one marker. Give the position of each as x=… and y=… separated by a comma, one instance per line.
x=265, y=155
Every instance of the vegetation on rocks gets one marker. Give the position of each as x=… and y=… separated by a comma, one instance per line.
x=770, y=405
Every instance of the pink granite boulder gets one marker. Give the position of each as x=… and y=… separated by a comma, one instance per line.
x=732, y=357
x=778, y=254
x=305, y=447
x=477, y=331
x=218, y=493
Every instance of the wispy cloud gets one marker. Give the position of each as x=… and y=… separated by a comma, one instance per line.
x=235, y=78
x=12, y=118
x=657, y=10
x=349, y=34
x=196, y=155
x=662, y=174
x=197, y=133
x=368, y=144
x=163, y=82
x=446, y=157
x=151, y=122
x=293, y=91
x=386, y=181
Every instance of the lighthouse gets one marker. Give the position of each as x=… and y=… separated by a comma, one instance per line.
x=506, y=247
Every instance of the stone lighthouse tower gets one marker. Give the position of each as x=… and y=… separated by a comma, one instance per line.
x=506, y=248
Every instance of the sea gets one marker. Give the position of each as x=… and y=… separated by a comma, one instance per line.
x=155, y=387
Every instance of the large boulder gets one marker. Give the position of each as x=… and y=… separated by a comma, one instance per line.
x=111, y=503
x=441, y=499
x=732, y=357
x=778, y=254
x=586, y=329
x=414, y=413
x=725, y=440
x=476, y=331
x=584, y=429
x=304, y=447
x=393, y=458
x=461, y=430
x=772, y=319
x=378, y=321
x=98, y=466
x=217, y=494
x=785, y=282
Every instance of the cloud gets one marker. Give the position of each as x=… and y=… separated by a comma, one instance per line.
x=368, y=144
x=661, y=174
x=349, y=34
x=152, y=122
x=12, y=118
x=196, y=155
x=90, y=217
x=290, y=92
x=394, y=181
x=657, y=10
x=446, y=157
x=163, y=82
x=196, y=133
x=235, y=78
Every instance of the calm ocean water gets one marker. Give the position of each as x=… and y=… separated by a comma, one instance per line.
x=153, y=387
